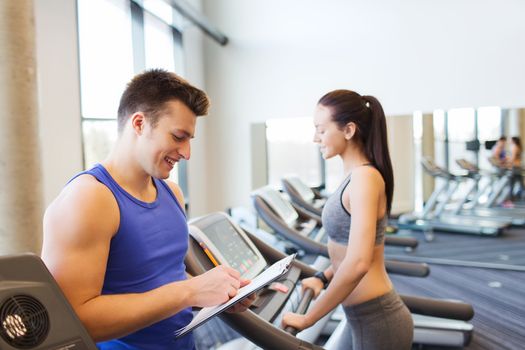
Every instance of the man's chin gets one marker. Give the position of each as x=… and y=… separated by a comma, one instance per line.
x=165, y=175
x=161, y=174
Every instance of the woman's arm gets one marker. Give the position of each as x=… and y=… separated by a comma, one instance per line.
x=364, y=193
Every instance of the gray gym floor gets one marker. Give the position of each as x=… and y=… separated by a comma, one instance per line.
x=498, y=298
x=507, y=249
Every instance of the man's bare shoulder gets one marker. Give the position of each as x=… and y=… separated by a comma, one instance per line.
x=84, y=204
x=176, y=191
x=85, y=190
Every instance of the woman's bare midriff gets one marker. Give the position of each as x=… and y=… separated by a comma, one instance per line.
x=374, y=284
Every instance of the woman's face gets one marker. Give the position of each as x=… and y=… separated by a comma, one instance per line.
x=328, y=136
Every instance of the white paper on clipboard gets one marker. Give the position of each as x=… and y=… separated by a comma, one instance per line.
x=264, y=278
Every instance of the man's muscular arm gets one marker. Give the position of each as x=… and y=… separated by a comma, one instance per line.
x=78, y=227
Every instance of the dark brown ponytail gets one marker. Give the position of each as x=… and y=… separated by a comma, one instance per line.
x=367, y=114
x=376, y=147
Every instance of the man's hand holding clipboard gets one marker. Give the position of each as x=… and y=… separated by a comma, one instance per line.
x=269, y=275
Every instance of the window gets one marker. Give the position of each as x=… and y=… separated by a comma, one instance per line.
x=489, y=129
x=106, y=65
x=158, y=43
x=291, y=150
x=417, y=125
x=461, y=127
x=455, y=128
x=106, y=55
x=99, y=136
x=125, y=40
x=440, y=138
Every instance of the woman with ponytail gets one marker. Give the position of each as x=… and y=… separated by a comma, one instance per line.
x=353, y=127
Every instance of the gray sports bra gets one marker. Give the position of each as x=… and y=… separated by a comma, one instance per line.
x=337, y=220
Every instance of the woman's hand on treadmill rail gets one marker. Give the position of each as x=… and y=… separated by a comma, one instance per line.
x=314, y=283
x=296, y=321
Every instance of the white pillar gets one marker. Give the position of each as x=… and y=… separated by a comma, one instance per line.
x=20, y=171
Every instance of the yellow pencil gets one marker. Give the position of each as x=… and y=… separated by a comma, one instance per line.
x=209, y=254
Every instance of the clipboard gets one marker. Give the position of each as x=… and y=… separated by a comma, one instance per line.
x=269, y=275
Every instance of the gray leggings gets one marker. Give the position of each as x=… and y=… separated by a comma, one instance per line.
x=378, y=324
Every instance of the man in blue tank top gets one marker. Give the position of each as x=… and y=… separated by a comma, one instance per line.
x=116, y=236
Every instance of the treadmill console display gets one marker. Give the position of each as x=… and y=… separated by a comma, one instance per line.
x=228, y=245
x=234, y=249
x=304, y=191
x=275, y=200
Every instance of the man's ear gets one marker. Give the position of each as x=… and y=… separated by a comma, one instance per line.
x=350, y=130
x=138, y=122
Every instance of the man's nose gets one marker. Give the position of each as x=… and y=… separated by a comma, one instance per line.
x=185, y=150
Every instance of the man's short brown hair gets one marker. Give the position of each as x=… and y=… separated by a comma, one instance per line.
x=149, y=91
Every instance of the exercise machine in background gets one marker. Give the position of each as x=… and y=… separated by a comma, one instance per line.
x=302, y=195
x=471, y=203
x=435, y=217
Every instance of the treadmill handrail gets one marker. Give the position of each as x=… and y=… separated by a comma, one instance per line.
x=407, y=268
x=307, y=297
x=409, y=242
x=265, y=334
x=456, y=310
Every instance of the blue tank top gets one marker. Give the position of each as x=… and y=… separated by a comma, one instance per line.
x=147, y=252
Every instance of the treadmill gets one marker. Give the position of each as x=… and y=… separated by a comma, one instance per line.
x=307, y=224
x=260, y=324
x=435, y=217
x=515, y=215
x=236, y=247
x=302, y=195
x=503, y=187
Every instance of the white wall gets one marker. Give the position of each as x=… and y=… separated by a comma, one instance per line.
x=411, y=54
